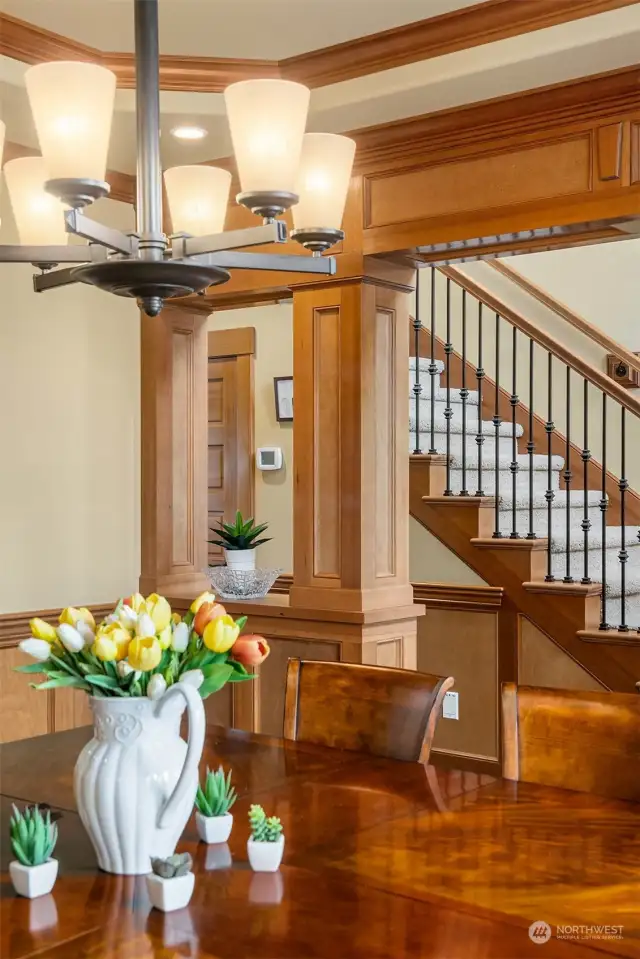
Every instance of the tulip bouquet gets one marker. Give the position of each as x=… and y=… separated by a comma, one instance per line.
x=142, y=648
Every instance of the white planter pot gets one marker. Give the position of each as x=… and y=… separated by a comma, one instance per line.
x=265, y=856
x=33, y=881
x=240, y=558
x=136, y=781
x=214, y=829
x=167, y=895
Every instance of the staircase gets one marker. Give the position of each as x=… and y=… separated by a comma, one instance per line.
x=509, y=492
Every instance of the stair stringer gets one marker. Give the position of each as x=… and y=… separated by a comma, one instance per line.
x=464, y=525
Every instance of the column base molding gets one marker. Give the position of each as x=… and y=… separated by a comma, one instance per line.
x=350, y=600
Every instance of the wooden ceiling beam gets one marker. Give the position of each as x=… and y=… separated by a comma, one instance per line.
x=461, y=29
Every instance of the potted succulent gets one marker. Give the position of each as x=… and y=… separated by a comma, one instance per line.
x=213, y=802
x=239, y=541
x=170, y=884
x=33, y=838
x=266, y=843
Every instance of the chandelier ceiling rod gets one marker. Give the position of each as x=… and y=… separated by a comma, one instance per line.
x=148, y=167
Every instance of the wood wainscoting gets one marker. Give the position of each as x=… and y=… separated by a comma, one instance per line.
x=468, y=632
x=24, y=712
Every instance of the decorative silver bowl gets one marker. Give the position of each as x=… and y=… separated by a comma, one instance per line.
x=241, y=583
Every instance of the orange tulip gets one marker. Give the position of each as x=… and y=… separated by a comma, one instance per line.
x=250, y=650
x=205, y=614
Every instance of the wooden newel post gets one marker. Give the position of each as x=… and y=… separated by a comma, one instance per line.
x=174, y=450
x=351, y=442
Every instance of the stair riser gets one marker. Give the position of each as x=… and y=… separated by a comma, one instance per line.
x=489, y=485
x=576, y=563
x=540, y=520
x=456, y=445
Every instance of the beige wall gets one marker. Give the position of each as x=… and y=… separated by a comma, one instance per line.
x=274, y=357
x=69, y=438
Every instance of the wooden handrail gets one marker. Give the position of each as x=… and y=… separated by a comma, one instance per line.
x=562, y=310
x=591, y=373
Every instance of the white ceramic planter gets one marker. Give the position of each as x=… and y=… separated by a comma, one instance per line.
x=136, y=781
x=265, y=856
x=167, y=895
x=214, y=829
x=240, y=558
x=33, y=881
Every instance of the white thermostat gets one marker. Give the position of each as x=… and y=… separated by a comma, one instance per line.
x=269, y=458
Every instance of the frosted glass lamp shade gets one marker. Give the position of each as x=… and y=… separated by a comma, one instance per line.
x=323, y=180
x=39, y=216
x=267, y=120
x=198, y=197
x=72, y=106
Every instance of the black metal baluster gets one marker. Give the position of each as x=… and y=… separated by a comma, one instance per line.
x=549, y=495
x=480, y=377
x=531, y=445
x=623, y=556
x=604, y=505
x=497, y=420
x=464, y=392
x=567, y=474
x=586, y=456
x=417, y=388
x=433, y=369
x=513, y=399
x=448, y=412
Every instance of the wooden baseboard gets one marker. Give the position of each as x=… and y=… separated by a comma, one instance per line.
x=470, y=763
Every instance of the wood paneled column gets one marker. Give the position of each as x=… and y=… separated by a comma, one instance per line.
x=174, y=451
x=351, y=429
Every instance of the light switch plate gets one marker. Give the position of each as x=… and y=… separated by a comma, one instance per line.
x=450, y=706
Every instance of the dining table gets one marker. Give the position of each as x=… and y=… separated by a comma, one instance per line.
x=383, y=860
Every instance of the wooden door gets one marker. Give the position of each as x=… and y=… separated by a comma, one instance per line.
x=230, y=434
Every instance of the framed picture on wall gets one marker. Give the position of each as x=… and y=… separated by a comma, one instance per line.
x=283, y=386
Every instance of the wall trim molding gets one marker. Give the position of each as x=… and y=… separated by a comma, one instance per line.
x=424, y=39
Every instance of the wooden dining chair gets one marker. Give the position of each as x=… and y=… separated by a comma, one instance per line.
x=371, y=709
x=586, y=741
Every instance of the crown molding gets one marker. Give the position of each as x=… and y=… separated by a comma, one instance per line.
x=461, y=29
x=437, y=36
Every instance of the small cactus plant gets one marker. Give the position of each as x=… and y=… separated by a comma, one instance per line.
x=264, y=829
x=33, y=836
x=218, y=795
x=172, y=868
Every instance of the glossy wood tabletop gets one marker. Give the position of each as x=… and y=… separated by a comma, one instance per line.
x=383, y=860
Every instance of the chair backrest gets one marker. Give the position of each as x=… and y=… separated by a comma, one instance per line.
x=587, y=741
x=371, y=709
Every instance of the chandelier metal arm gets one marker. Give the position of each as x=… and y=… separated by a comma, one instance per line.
x=49, y=281
x=81, y=225
x=51, y=255
x=183, y=246
x=280, y=262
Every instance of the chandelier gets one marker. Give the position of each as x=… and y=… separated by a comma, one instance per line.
x=279, y=167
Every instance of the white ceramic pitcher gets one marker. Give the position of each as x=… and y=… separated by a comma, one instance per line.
x=135, y=782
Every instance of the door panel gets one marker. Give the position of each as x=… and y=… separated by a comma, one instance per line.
x=230, y=430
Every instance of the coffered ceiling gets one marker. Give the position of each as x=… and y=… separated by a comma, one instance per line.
x=439, y=54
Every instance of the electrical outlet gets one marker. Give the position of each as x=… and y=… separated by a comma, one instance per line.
x=450, y=706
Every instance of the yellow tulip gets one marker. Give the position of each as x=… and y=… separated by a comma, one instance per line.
x=205, y=597
x=220, y=634
x=164, y=637
x=135, y=601
x=176, y=618
x=42, y=630
x=70, y=615
x=159, y=610
x=144, y=654
x=111, y=642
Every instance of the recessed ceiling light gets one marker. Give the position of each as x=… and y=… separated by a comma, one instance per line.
x=187, y=132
